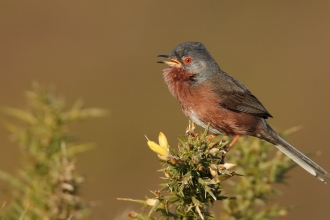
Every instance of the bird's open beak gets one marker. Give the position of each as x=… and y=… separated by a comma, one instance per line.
x=170, y=62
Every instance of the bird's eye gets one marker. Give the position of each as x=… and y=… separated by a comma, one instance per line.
x=187, y=60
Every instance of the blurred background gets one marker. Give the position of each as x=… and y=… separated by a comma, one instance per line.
x=105, y=52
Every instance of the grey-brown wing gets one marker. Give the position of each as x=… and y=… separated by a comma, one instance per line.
x=236, y=97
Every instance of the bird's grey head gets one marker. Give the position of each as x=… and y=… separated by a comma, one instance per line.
x=194, y=58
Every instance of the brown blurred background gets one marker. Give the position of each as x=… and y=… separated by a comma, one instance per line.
x=105, y=52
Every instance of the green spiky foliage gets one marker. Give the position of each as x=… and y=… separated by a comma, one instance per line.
x=192, y=179
x=263, y=167
x=46, y=186
x=195, y=177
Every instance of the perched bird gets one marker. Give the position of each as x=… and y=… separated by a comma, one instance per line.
x=208, y=95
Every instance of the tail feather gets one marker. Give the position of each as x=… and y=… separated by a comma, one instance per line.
x=310, y=166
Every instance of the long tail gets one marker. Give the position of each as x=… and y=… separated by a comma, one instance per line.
x=269, y=135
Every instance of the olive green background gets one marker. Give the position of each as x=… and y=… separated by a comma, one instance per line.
x=105, y=52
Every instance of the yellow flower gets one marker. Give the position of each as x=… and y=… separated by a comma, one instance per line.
x=161, y=148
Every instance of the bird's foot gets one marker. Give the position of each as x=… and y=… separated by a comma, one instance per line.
x=224, y=152
x=227, y=148
x=190, y=130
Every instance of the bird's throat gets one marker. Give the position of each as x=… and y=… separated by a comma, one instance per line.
x=178, y=81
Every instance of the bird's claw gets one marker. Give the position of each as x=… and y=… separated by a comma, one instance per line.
x=224, y=152
x=190, y=130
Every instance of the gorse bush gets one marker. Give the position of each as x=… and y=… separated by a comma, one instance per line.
x=263, y=166
x=198, y=182
x=195, y=175
x=46, y=186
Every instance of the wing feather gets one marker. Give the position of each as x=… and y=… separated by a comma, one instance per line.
x=236, y=97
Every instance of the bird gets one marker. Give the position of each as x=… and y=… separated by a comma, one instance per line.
x=208, y=96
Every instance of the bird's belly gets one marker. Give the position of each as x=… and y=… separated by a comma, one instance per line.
x=222, y=121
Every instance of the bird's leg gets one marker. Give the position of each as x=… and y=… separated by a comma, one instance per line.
x=227, y=149
x=232, y=143
x=190, y=130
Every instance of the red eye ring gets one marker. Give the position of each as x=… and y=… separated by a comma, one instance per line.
x=187, y=60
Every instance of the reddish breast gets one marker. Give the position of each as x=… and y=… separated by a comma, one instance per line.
x=201, y=105
x=198, y=102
